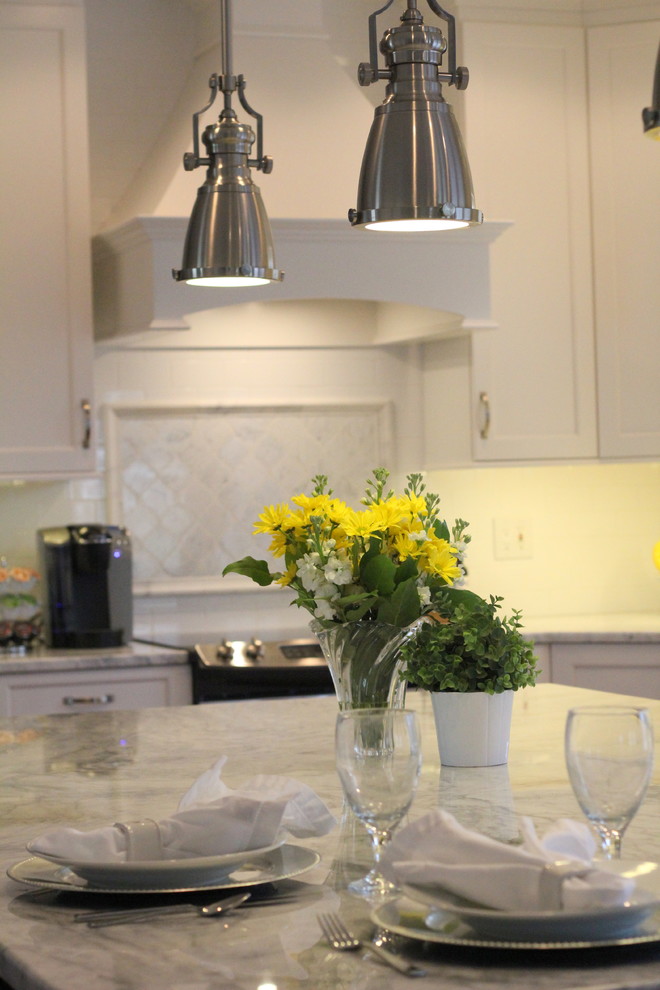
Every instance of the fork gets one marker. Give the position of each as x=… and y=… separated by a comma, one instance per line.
x=339, y=937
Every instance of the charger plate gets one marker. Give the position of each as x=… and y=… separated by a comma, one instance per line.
x=406, y=917
x=280, y=863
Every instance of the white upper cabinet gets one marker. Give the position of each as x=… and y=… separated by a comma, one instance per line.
x=527, y=136
x=626, y=208
x=45, y=281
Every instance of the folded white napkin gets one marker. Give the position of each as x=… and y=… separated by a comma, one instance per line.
x=211, y=820
x=437, y=850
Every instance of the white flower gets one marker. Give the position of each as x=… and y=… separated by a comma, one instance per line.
x=324, y=610
x=338, y=571
x=424, y=595
x=311, y=576
x=326, y=590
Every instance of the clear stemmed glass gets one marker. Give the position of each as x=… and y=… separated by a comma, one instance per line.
x=378, y=758
x=609, y=756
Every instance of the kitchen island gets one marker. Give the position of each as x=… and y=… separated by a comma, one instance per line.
x=88, y=770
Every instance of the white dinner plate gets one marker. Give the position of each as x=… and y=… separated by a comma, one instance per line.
x=593, y=924
x=157, y=872
x=257, y=867
x=408, y=918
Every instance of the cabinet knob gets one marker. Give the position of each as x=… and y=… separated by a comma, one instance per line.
x=484, y=403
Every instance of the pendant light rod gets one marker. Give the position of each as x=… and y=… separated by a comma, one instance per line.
x=225, y=38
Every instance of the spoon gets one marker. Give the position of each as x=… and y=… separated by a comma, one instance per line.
x=99, y=919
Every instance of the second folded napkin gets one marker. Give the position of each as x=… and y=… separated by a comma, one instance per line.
x=437, y=850
x=211, y=820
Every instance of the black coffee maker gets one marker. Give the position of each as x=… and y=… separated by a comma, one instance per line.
x=86, y=576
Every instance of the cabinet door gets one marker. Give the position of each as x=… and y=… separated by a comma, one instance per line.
x=527, y=139
x=45, y=282
x=623, y=668
x=626, y=185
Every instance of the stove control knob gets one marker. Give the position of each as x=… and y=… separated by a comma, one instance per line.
x=225, y=651
x=254, y=649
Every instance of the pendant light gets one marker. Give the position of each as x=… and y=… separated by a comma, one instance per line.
x=651, y=115
x=229, y=241
x=415, y=173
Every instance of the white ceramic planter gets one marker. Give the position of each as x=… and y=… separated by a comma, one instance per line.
x=473, y=728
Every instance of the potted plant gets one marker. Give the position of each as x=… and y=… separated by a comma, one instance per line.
x=471, y=659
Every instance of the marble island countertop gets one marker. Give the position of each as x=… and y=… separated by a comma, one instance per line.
x=40, y=658
x=91, y=769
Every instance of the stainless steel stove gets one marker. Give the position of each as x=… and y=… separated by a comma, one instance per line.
x=225, y=670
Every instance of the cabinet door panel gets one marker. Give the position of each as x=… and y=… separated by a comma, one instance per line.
x=45, y=312
x=622, y=668
x=526, y=132
x=626, y=184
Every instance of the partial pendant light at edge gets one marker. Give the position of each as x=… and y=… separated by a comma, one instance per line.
x=229, y=241
x=415, y=173
x=651, y=115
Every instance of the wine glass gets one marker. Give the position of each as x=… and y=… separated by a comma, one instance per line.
x=378, y=758
x=609, y=756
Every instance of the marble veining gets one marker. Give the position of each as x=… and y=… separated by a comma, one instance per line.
x=91, y=769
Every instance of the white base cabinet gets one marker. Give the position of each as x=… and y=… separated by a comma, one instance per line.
x=45, y=267
x=44, y=693
x=623, y=668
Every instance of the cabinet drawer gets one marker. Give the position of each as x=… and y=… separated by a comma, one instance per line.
x=71, y=691
x=623, y=668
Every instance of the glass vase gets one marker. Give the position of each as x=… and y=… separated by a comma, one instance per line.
x=364, y=659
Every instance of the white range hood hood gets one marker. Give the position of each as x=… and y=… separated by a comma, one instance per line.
x=421, y=285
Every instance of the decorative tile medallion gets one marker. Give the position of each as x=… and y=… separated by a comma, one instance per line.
x=189, y=480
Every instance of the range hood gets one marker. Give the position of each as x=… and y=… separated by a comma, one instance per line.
x=423, y=285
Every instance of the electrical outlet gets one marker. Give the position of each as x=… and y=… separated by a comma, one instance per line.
x=512, y=538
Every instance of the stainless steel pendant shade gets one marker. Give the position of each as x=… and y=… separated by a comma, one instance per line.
x=651, y=115
x=415, y=173
x=229, y=240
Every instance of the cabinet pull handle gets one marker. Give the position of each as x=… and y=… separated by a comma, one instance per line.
x=102, y=699
x=86, y=407
x=484, y=402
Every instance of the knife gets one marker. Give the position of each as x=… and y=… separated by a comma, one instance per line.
x=99, y=919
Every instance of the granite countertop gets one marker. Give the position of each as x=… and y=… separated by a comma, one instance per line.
x=624, y=627
x=97, y=768
x=134, y=655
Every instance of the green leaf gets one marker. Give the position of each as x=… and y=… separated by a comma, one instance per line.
x=378, y=574
x=403, y=607
x=257, y=570
x=441, y=530
x=405, y=570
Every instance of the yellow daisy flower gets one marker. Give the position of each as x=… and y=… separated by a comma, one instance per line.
x=288, y=576
x=272, y=518
x=440, y=558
